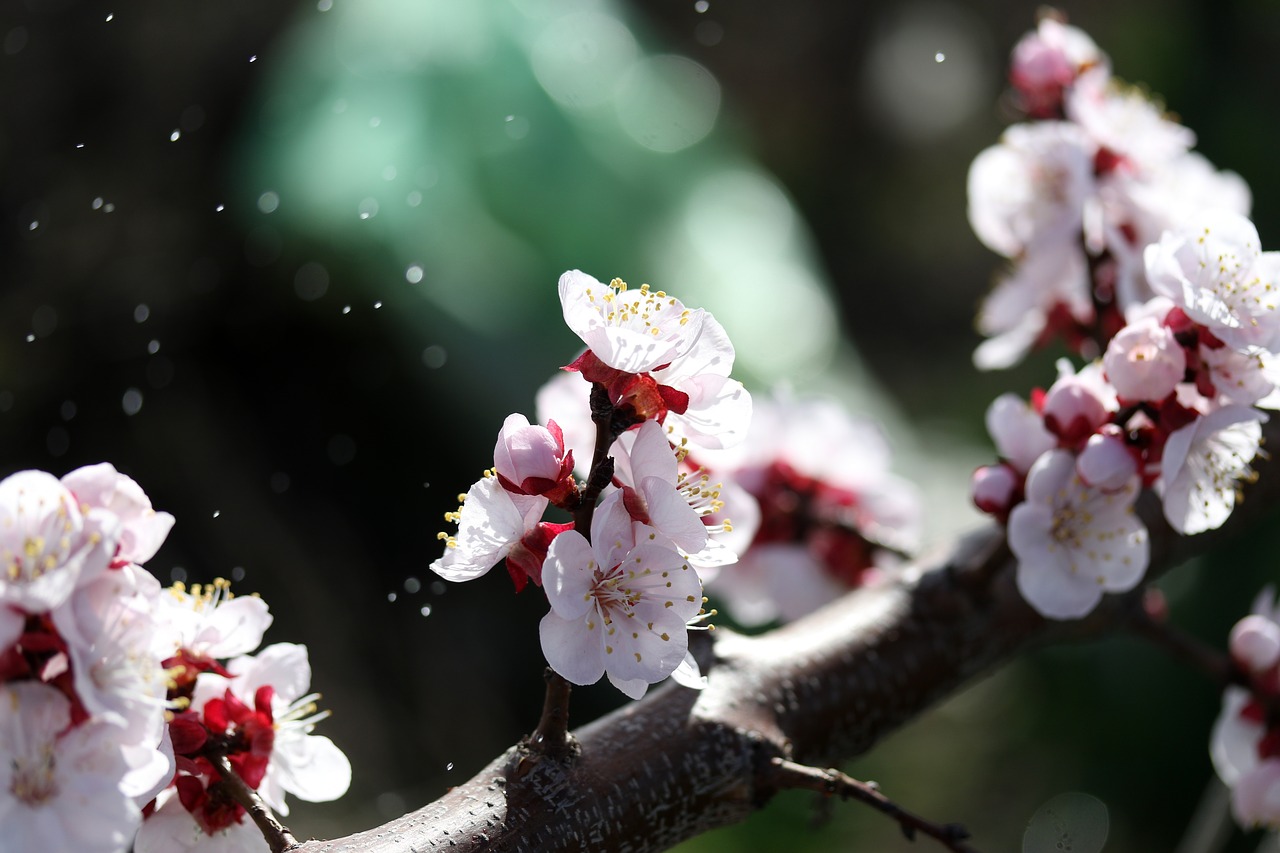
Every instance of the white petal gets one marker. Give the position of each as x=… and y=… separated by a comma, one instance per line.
x=634, y=688
x=1233, y=743
x=574, y=648
x=689, y=674
x=568, y=574
x=311, y=767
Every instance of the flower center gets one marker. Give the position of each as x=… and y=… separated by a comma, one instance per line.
x=33, y=781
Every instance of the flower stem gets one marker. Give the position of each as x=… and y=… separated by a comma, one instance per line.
x=601, y=473
x=278, y=836
x=551, y=738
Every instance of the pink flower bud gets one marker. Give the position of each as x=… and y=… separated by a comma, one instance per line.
x=1074, y=407
x=1255, y=643
x=1144, y=361
x=1106, y=463
x=531, y=460
x=996, y=488
x=1048, y=60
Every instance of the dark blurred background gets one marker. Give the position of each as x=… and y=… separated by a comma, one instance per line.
x=289, y=264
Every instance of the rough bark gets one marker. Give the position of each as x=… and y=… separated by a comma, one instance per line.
x=825, y=688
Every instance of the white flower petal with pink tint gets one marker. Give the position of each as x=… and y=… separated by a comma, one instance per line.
x=1031, y=186
x=143, y=530
x=647, y=468
x=491, y=521
x=689, y=674
x=47, y=545
x=1233, y=743
x=1078, y=402
x=719, y=410
x=1239, y=377
x=1106, y=463
x=1125, y=121
x=1215, y=270
x=113, y=643
x=1255, y=643
x=1074, y=543
x=566, y=399
x=1204, y=465
x=1144, y=361
x=59, y=790
x=1018, y=431
x=209, y=621
x=633, y=331
x=1255, y=798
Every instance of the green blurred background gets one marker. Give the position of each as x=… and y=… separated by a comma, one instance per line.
x=289, y=265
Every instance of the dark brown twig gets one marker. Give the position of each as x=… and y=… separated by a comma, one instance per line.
x=601, y=471
x=278, y=836
x=1189, y=650
x=551, y=738
x=788, y=774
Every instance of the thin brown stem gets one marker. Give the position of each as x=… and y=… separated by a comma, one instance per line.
x=551, y=738
x=1184, y=647
x=601, y=472
x=278, y=836
x=788, y=774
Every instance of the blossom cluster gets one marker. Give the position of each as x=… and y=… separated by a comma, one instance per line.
x=624, y=591
x=1074, y=195
x=668, y=480
x=1245, y=743
x=820, y=510
x=119, y=694
x=1161, y=280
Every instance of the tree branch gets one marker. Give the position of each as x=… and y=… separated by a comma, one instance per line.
x=817, y=691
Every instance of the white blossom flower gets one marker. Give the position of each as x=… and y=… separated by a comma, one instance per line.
x=1124, y=121
x=1239, y=377
x=47, y=545
x=208, y=621
x=831, y=512
x=1204, y=464
x=620, y=603
x=1073, y=542
x=491, y=522
x=1031, y=187
x=634, y=331
x=60, y=787
x=115, y=651
x=1215, y=270
x=142, y=529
